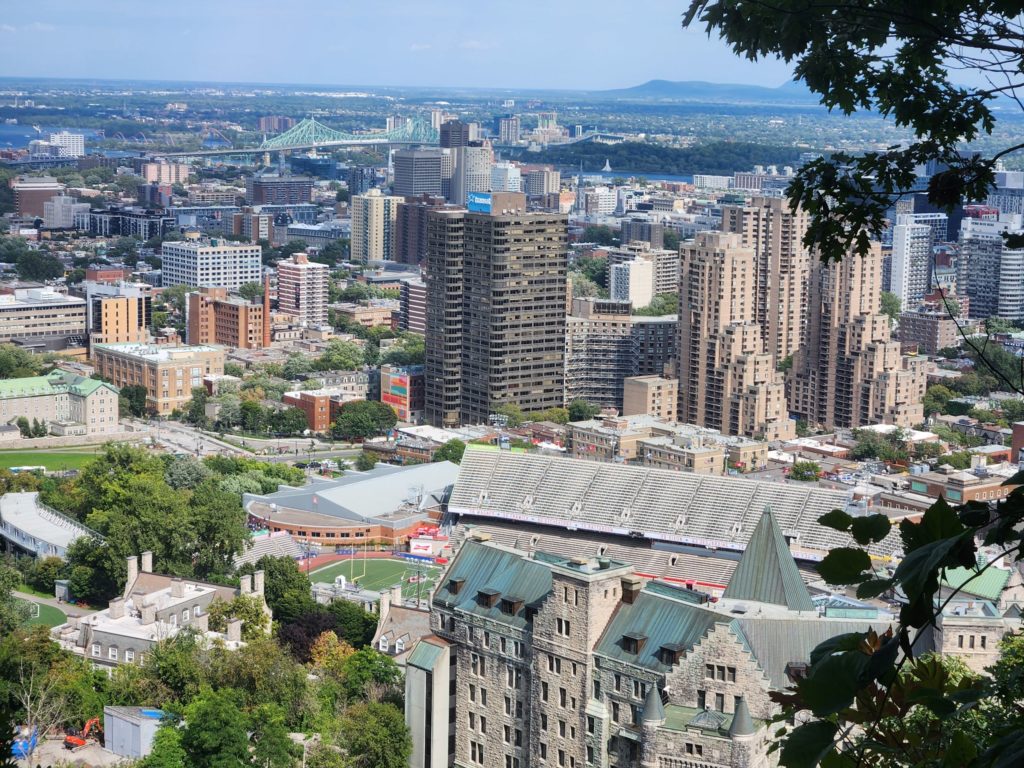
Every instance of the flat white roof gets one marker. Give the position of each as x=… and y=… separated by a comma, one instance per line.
x=22, y=511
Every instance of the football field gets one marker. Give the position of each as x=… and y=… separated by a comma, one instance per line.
x=376, y=574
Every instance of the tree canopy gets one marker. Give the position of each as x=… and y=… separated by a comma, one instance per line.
x=896, y=60
x=362, y=419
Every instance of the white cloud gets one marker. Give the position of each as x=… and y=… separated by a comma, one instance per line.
x=473, y=45
x=7, y=28
x=420, y=47
x=38, y=26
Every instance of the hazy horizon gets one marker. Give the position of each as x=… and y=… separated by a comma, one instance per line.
x=527, y=44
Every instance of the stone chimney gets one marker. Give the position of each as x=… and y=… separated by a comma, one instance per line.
x=258, y=579
x=202, y=622
x=246, y=584
x=631, y=586
x=116, y=608
x=147, y=562
x=234, y=631
x=177, y=587
x=148, y=614
x=133, y=572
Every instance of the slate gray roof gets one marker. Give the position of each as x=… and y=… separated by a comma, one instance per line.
x=767, y=573
x=775, y=642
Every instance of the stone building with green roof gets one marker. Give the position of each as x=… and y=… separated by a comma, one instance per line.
x=69, y=404
x=543, y=659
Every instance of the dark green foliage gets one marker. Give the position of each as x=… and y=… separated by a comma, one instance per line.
x=16, y=362
x=366, y=461
x=451, y=451
x=192, y=527
x=215, y=733
x=884, y=57
x=376, y=735
x=662, y=304
x=634, y=157
x=362, y=419
x=891, y=447
x=38, y=265
x=805, y=471
x=251, y=291
x=600, y=234
x=582, y=410
x=134, y=398
x=594, y=268
x=286, y=587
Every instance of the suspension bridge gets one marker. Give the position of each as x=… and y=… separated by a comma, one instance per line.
x=312, y=134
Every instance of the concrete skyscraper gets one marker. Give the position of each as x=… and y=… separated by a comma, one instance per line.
x=373, y=226
x=849, y=373
x=417, y=172
x=454, y=133
x=496, y=288
x=913, y=238
x=443, y=358
x=302, y=289
x=472, y=171
x=726, y=379
x=781, y=267
x=986, y=268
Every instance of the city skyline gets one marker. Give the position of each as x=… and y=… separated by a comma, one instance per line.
x=449, y=44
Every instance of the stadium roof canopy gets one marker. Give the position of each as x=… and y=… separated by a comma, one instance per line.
x=706, y=511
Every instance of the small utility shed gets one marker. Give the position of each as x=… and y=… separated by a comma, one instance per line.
x=129, y=731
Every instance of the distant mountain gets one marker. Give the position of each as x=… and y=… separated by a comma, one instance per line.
x=701, y=91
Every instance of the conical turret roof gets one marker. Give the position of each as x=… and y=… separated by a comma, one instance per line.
x=767, y=572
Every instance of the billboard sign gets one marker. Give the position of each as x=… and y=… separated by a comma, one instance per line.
x=478, y=202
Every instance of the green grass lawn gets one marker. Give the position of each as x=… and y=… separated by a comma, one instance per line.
x=48, y=616
x=380, y=574
x=23, y=587
x=52, y=459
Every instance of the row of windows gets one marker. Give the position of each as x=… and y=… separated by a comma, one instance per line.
x=719, y=672
x=504, y=644
x=112, y=653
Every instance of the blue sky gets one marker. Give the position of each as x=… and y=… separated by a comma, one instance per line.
x=486, y=43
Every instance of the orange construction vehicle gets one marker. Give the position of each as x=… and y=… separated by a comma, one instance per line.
x=88, y=733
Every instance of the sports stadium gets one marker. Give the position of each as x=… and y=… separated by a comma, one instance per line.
x=677, y=526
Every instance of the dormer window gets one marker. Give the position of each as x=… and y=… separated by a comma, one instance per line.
x=400, y=645
x=382, y=646
x=455, y=584
x=488, y=597
x=670, y=654
x=510, y=606
x=633, y=642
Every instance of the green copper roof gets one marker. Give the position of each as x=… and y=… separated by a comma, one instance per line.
x=52, y=383
x=29, y=386
x=425, y=655
x=660, y=621
x=480, y=570
x=989, y=584
x=767, y=573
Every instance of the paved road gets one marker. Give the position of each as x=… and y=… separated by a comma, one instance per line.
x=65, y=607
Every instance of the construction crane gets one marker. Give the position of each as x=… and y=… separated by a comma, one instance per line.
x=77, y=741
